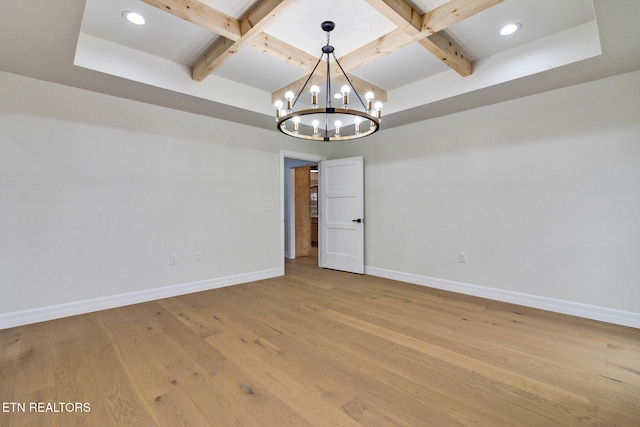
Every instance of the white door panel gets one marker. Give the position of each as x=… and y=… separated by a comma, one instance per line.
x=341, y=246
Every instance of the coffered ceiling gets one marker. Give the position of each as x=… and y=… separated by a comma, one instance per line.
x=231, y=60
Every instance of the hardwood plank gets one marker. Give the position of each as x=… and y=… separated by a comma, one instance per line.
x=75, y=383
x=317, y=381
x=120, y=400
x=542, y=391
x=300, y=398
x=236, y=391
x=35, y=369
x=396, y=401
x=178, y=390
x=33, y=419
x=317, y=347
x=404, y=368
x=10, y=343
x=548, y=369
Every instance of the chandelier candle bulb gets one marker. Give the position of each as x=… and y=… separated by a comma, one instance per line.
x=338, y=124
x=369, y=97
x=357, y=122
x=278, y=104
x=378, y=107
x=315, y=90
x=315, y=124
x=345, y=95
x=289, y=97
x=296, y=124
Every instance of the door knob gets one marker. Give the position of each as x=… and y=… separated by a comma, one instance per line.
x=359, y=220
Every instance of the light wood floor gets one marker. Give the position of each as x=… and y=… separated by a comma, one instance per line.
x=323, y=348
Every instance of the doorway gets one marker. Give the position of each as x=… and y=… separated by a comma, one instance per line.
x=301, y=187
x=290, y=161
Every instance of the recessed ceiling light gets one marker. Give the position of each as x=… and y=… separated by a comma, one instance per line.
x=508, y=29
x=133, y=17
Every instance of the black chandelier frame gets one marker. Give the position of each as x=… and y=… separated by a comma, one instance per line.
x=287, y=125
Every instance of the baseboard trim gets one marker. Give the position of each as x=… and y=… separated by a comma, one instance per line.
x=618, y=317
x=25, y=317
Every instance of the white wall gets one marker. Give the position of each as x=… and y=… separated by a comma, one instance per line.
x=542, y=193
x=96, y=193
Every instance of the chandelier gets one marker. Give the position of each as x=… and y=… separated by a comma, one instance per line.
x=328, y=123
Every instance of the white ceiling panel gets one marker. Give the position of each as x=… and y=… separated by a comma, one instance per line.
x=164, y=35
x=477, y=36
x=356, y=25
x=273, y=74
x=235, y=8
x=391, y=72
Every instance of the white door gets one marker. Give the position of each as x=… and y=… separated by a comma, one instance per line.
x=341, y=215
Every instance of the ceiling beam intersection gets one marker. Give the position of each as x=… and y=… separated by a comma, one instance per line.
x=235, y=33
x=251, y=25
x=425, y=29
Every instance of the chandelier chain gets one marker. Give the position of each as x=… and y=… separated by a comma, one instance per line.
x=346, y=76
x=307, y=82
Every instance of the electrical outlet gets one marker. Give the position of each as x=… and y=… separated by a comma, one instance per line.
x=173, y=259
x=198, y=257
x=462, y=257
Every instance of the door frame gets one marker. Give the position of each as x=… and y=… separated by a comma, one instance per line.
x=296, y=156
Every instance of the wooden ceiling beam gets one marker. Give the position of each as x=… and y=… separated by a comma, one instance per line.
x=283, y=51
x=220, y=51
x=443, y=17
x=261, y=15
x=200, y=14
x=400, y=13
x=453, y=12
x=444, y=50
x=378, y=48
